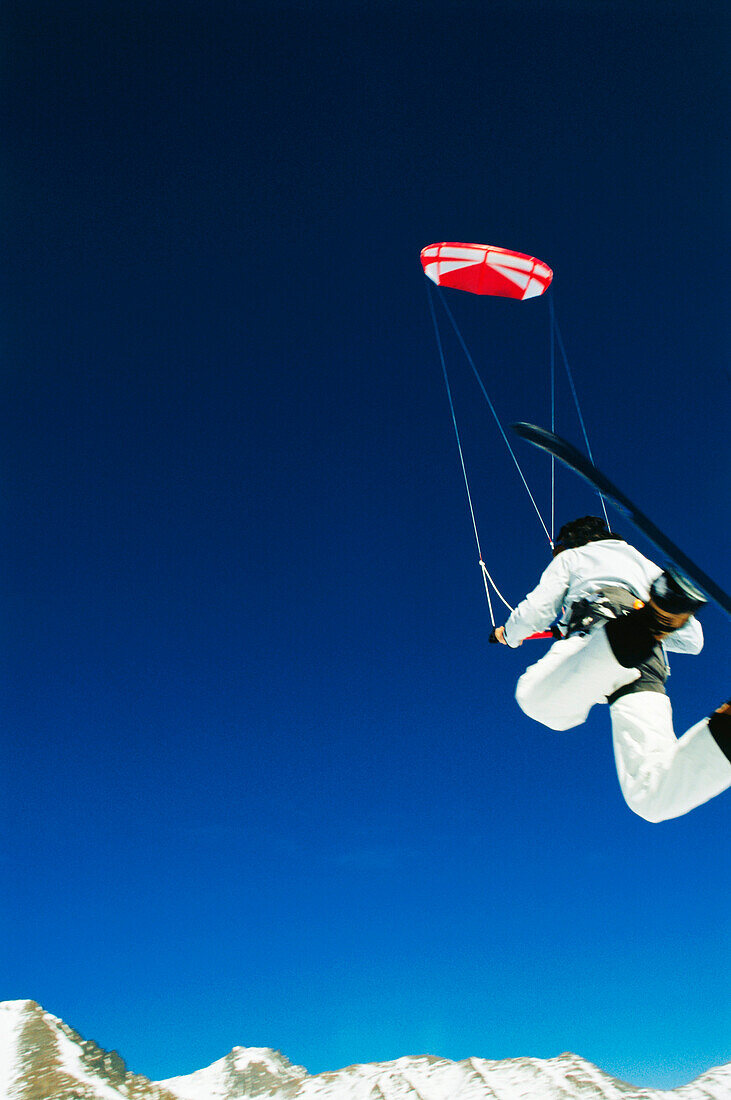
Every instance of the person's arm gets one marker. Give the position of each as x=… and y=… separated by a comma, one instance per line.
x=541, y=606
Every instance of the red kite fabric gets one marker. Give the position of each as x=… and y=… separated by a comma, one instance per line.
x=485, y=269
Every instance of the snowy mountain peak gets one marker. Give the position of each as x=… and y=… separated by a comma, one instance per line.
x=244, y=1072
x=245, y=1056
x=41, y=1058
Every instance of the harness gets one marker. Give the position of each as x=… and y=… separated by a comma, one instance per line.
x=611, y=602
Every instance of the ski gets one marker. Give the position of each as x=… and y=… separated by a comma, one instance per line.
x=568, y=454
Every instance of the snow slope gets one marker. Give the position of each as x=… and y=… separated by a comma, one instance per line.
x=566, y=1077
x=10, y=1027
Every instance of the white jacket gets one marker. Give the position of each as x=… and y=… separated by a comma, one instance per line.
x=582, y=572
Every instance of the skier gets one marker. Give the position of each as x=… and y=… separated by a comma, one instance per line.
x=616, y=613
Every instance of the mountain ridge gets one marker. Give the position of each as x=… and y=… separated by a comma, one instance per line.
x=42, y=1058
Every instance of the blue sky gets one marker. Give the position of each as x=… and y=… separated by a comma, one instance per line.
x=265, y=782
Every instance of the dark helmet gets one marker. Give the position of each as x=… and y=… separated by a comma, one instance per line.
x=581, y=531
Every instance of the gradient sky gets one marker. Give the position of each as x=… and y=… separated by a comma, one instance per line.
x=263, y=781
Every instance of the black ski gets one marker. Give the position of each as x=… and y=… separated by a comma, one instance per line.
x=583, y=466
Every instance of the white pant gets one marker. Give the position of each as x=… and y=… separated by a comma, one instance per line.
x=661, y=776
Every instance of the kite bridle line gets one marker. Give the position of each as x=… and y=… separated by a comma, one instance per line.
x=555, y=336
x=485, y=575
x=486, y=395
x=487, y=579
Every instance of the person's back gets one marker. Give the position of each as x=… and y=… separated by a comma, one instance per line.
x=611, y=562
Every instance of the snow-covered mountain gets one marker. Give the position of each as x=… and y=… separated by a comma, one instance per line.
x=41, y=1058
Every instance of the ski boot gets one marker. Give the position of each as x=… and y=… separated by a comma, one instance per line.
x=673, y=599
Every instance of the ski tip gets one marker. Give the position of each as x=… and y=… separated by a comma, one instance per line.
x=522, y=427
x=541, y=437
x=532, y=432
x=549, y=441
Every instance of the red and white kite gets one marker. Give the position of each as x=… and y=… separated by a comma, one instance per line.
x=485, y=269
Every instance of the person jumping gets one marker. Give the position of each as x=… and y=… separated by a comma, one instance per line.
x=616, y=614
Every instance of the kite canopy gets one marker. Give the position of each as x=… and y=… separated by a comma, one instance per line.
x=485, y=269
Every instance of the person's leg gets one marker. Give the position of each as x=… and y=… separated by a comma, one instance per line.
x=577, y=672
x=662, y=776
